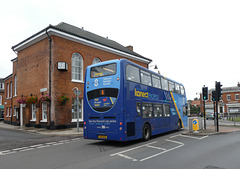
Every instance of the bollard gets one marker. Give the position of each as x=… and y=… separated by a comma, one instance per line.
x=195, y=125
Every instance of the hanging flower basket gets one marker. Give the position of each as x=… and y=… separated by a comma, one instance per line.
x=32, y=100
x=63, y=99
x=22, y=100
x=46, y=98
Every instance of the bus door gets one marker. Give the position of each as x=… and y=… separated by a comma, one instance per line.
x=166, y=119
x=138, y=119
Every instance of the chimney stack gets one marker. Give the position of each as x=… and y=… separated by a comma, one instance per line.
x=130, y=47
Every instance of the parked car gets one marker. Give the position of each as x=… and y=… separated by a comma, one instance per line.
x=210, y=115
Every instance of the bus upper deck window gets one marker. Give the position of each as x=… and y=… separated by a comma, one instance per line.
x=177, y=88
x=132, y=73
x=182, y=90
x=103, y=70
x=164, y=84
x=171, y=86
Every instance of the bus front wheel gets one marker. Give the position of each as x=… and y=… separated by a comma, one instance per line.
x=146, y=132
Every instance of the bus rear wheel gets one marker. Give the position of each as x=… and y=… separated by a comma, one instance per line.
x=146, y=132
x=179, y=125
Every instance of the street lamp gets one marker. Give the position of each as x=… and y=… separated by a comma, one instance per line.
x=155, y=67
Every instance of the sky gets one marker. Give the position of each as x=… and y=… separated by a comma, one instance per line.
x=192, y=42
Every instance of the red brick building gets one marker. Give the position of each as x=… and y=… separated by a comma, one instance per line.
x=229, y=105
x=50, y=64
x=1, y=99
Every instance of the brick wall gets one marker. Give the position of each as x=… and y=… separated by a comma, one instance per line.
x=32, y=70
x=62, y=80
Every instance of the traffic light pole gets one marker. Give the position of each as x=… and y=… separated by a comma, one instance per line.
x=204, y=115
x=204, y=97
x=218, y=98
x=214, y=111
x=217, y=115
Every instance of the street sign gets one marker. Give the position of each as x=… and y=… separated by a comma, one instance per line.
x=77, y=92
x=195, y=124
x=43, y=90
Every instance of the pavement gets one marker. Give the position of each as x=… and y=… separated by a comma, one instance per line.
x=225, y=127
x=44, y=131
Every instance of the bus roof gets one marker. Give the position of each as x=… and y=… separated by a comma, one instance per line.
x=127, y=61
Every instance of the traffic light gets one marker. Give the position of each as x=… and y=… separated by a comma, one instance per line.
x=218, y=91
x=205, y=93
x=214, y=95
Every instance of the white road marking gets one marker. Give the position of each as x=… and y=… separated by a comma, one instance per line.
x=127, y=157
x=163, y=150
x=159, y=148
x=27, y=149
x=132, y=148
x=197, y=138
x=51, y=143
x=22, y=149
x=43, y=146
x=17, y=149
x=38, y=145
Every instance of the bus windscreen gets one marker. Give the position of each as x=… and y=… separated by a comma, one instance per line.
x=102, y=99
x=104, y=70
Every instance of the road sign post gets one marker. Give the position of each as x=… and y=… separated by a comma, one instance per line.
x=77, y=93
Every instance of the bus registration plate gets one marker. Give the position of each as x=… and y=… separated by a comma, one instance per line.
x=102, y=136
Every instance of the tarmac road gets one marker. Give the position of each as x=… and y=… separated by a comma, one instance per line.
x=10, y=139
x=168, y=151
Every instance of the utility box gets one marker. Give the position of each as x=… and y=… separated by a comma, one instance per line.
x=195, y=125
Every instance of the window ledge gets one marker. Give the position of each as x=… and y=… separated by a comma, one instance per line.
x=77, y=81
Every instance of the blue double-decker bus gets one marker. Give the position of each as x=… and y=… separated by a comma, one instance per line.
x=124, y=101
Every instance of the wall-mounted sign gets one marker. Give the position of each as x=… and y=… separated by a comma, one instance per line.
x=62, y=66
x=43, y=90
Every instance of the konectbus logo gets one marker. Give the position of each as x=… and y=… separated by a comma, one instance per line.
x=144, y=94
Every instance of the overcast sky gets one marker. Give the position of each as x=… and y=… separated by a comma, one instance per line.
x=195, y=42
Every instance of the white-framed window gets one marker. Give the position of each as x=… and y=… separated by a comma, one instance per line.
x=96, y=60
x=44, y=112
x=10, y=89
x=15, y=85
x=236, y=97
x=10, y=111
x=229, y=97
x=34, y=109
x=7, y=90
x=0, y=99
x=77, y=67
x=15, y=112
x=74, y=110
x=7, y=115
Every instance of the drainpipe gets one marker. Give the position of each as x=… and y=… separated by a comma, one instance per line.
x=50, y=78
